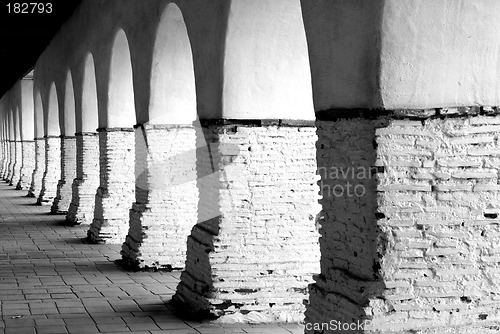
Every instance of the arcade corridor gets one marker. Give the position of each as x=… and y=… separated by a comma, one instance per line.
x=53, y=282
x=329, y=163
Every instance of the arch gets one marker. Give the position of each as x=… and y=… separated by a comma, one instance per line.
x=69, y=107
x=173, y=90
x=121, y=102
x=52, y=120
x=89, y=117
x=38, y=116
x=266, y=62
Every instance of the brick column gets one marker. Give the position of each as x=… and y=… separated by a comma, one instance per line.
x=86, y=182
x=6, y=160
x=418, y=251
x=68, y=172
x=12, y=160
x=52, y=171
x=166, y=203
x=4, y=155
x=18, y=163
x=255, y=249
x=37, y=175
x=28, y=164
x=350, y=238
x=116, y=191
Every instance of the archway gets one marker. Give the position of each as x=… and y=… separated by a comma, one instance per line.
x=36, y=180
x=86, y=182
x=116, y=191
x=166, y=154
x=18, y=148
x=27, y=133
x=52, y=172
x=68, y=150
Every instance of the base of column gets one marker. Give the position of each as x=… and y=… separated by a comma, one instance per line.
x=52, y=172
x=412, y=250
x=5, y=157
x=254, y=261
x=64, y=192
x=18, y=163
x=37, y=175
x=28, y=165
x=84, y=187
x=116, y=192
x=12, y=161
x=166, y=204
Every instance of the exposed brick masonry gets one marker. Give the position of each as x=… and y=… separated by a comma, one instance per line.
x=12, y=160
x=431, y=227
x=37, y=175
x=255, y=250
x=116, y=191
x=166, y=203
x=28, y=164
x=6, y=159
x=52, y=172
x=68, y=172
x=18, y=163
x=86, y=182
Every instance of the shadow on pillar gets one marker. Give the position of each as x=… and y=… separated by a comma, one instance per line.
x=116, y=191
x=352, y=245
x=197, y=285
x=37, y=174
x=251, y=256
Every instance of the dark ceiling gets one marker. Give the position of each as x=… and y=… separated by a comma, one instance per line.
x=24, y=36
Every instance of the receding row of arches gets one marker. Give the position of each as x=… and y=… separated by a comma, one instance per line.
x=186, y=131
x=149, y=175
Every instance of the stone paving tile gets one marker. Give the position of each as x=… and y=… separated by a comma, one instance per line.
x=52, y=281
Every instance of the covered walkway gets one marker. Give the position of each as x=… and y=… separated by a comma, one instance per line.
x=52, y=281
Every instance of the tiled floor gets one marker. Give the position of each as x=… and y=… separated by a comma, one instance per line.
x=53, y=282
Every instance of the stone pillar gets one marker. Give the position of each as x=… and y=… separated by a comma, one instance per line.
x=414, y=250
x=116, y=191
x=28, y=164
x=252, y=258
x=6, y=160
x=166, y=203
x=12, y=160
x=18, y=163
x=350, y=237
x=37, y=175
x=63, y=197
x=52, y=171
x=81, y=209
x=2, y=161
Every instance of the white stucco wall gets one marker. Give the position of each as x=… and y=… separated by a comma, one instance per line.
x=440, y=53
